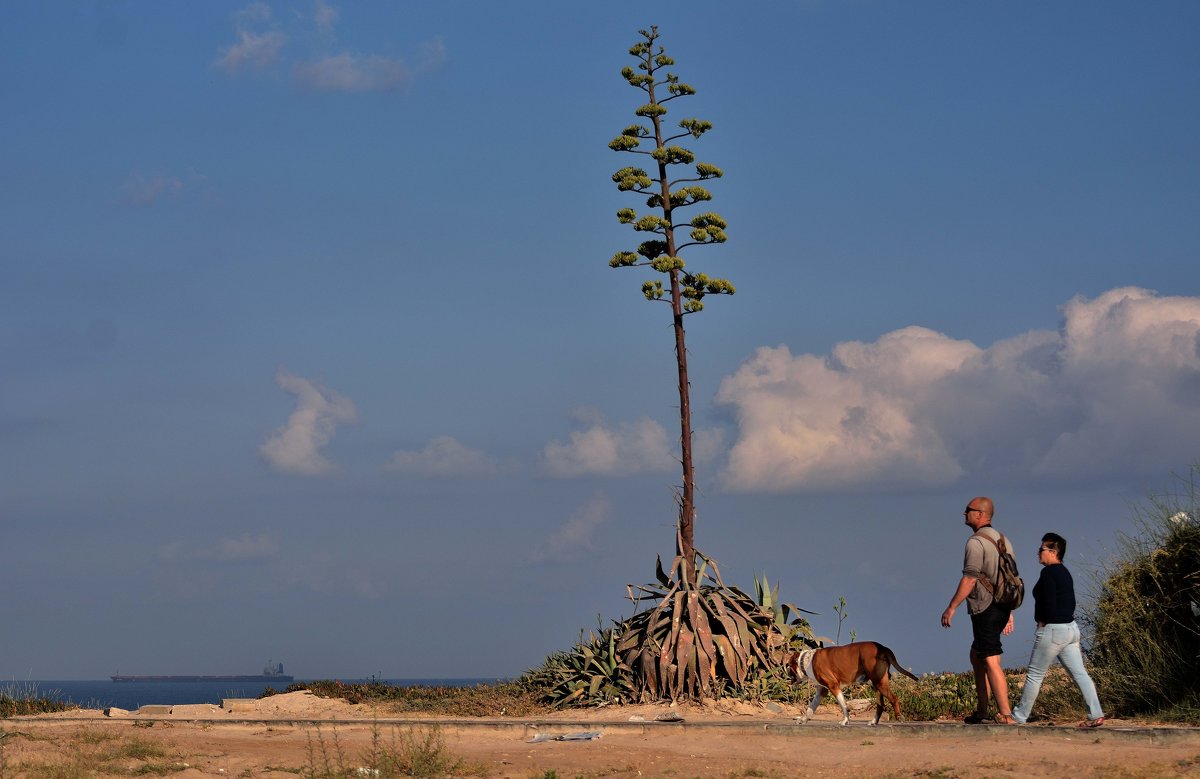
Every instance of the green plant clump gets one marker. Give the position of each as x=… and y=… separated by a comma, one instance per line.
x=694, y=642
x=1145, y=624
x=19, y=701
x=408, y=752
x=482, y=700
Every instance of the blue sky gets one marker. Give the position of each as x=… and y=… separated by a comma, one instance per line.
x=311, y=350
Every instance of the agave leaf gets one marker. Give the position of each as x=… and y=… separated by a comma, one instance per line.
x=684, y=657
x=700, y=624
x=729, y=658
x=629, y=640
x=649, y=671
x=790, y=607
x=659, y=573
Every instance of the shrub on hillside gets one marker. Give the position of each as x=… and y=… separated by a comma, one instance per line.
x=1145, y=624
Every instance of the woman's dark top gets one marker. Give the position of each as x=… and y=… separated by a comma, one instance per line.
x=1054, y=595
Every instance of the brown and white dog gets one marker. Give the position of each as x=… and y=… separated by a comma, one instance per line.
x=834, y=667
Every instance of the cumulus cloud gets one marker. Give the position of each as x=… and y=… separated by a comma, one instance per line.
x=577, y=532
x=295, y=447
x=1114, y=393
x=606, y=450
x=255, y=48
x=443, y=456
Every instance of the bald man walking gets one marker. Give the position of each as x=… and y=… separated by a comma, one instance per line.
x=982, y=558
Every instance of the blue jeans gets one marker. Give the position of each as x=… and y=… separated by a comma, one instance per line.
x=1061, y=641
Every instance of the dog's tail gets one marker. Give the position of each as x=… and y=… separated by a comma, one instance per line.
x=891, y=658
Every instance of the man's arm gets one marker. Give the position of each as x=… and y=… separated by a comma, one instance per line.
x=965, y=585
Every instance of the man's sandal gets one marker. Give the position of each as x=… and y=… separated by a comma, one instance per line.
x=975, y=719
x=1091, y=723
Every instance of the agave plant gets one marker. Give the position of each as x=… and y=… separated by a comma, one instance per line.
x=590, y=672
x=686, y=642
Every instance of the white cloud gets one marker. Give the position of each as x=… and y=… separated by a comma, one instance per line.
x=246, y=547
x=226, y=550
x=144, y=190
x=1113, y=394
x=348, y=72
x=295, y=447
x=577, y=532
x=325, y=16
x=443, y=456
x=254, y=49
x=327, y=573
x=603, y=450
x=253, y=13
x=432, y=55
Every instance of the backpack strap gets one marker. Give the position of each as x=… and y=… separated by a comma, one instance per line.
x=987, y=583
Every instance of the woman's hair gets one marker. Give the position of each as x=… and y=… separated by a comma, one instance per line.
x=1057, y=543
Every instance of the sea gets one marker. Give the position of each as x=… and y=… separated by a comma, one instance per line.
x=103, y=693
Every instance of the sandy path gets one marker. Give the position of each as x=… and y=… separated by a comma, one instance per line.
x=283, y=737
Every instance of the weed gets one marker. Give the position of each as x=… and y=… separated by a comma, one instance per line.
x=411, y=752
x=484, y=700
x=24, y=699
x=93, y=752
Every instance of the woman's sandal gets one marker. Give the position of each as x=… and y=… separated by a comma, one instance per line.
x=1005, y=719
x=1091, y=723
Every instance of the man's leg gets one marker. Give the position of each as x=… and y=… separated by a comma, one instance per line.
x=981, y=684
x=999, y=684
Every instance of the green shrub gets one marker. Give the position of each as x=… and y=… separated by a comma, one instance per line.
x=21, y=700
x=411, y=752
x=513, y=699
x=1145, y=624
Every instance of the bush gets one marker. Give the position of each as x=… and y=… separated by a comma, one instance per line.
x=1145, y=624
x=24, y=700
x=482, y=700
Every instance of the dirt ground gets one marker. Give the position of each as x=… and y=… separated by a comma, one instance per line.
x=284, y=736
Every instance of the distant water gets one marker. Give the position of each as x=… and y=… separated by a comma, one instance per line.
x=102, y=693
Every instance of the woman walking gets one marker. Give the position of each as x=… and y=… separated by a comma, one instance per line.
x=1057, y=633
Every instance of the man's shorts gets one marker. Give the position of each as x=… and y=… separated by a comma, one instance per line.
x=986, y=627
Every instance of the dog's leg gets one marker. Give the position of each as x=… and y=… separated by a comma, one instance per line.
x=841, y=699
x=812, y=707
x=885, y=691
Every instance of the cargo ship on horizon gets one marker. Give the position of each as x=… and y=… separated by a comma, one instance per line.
x=271, y=673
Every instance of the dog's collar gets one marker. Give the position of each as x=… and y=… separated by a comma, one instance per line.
x=805, y=662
